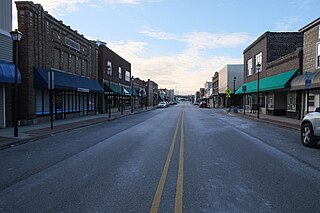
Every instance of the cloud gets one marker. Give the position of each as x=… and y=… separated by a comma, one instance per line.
x=304, y=5
x=201, y=40
x=186, y=71
x=288, y=24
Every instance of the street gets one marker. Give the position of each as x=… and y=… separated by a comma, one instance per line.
x=178, y=159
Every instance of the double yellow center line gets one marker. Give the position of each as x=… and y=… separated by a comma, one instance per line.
x=179, y=191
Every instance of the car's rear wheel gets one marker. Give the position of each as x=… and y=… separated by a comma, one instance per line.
x=307, y=136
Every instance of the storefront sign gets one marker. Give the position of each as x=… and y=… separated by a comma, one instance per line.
x=83, y=90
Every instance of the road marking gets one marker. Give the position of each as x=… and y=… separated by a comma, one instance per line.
x=179, y=192
x=157, y=196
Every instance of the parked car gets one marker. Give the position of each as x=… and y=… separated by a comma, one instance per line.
x=162, y=105
x=196, y=103
x=310, y=128
x=203, y=104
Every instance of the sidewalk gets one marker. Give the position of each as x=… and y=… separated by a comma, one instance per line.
x=276, y=120
x=43, y=130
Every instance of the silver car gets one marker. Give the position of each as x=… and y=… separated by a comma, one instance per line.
x=310, y=128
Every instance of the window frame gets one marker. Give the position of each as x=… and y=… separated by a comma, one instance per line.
x=258, y=59
x=120, y=72
x=318, y=55
x=127, y=77
x=249, y=72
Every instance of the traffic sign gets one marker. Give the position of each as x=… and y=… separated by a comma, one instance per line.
x=228, y=92
x=308, y=80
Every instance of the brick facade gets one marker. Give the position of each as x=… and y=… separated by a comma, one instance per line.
x=272, y=45
x=105, y=55
x=49, y=44
x=311, y=38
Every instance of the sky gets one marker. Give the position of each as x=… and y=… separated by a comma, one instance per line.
x=180, y=44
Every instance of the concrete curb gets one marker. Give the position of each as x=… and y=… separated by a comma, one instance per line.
x=270, y=121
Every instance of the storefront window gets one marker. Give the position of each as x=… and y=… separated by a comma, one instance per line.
x=291, y=102
x=270, y=102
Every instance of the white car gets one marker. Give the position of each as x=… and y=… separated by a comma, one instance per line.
x=162, y=105
x=310, y=128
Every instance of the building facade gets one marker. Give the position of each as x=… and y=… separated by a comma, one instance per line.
x=7, y=68
x=229, y=79
x=279, y=56
x=115, y=77
x=152, y=93
x=49, y=46
x=311, y=70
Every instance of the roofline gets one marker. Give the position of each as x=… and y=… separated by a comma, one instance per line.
x=263, y=36
x=256, y=41
x=310, y=25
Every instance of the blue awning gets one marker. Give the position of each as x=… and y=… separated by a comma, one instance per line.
x=7, y=72
x=66, y=81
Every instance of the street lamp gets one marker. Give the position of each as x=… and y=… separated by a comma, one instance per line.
x=16, y=37
x=234, y=91
x=132, y=99
x=109, y=71
x=258, y=70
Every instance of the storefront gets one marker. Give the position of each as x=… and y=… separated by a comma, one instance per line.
x=73, y=95
x=273, y=93
x=300, y=103
x=119, y=96
x=7, y=77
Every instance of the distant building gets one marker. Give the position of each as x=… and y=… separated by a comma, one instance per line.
x=230, y=77
x=170, y=94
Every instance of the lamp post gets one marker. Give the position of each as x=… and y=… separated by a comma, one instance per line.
x=234, y=91
x=258, y=93
x=132, y=99
x=109, y=70
x=16, y=37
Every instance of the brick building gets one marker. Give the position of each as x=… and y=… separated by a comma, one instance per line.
x=152, y=93
x=115, y=77
x=50, y=46
x=311, y=67
x=280, y=56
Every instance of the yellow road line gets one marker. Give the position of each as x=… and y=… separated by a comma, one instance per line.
x=157, y=196
x=179, y=192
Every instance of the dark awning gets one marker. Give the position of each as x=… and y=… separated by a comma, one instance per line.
x=66, y=81
x=298, y=83
x=276, y=82
x=7, y=72
x=116, y=89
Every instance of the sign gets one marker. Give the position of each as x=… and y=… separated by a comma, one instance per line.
x=51, y=80
x=228, y=92
x=308, y=80
x=244, y=88
x=83, y=90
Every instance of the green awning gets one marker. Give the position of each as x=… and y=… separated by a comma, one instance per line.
x=116, y=89
x=280, y=81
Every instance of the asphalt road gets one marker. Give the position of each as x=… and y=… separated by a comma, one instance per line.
x=179, y=159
